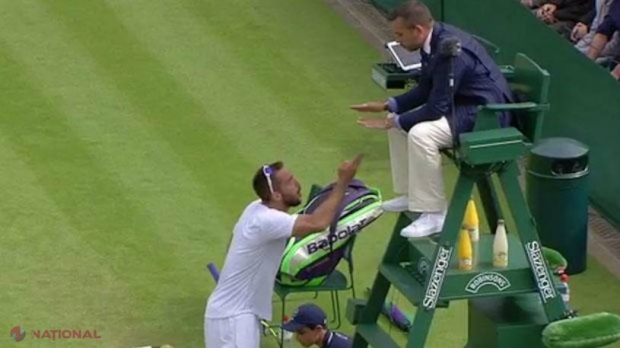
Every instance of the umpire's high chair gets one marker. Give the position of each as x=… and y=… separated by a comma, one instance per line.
x=425, y=269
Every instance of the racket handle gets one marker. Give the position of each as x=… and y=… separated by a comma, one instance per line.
x=213, y=270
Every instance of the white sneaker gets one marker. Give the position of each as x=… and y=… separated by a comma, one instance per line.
x=426, y=225
x=396, y=205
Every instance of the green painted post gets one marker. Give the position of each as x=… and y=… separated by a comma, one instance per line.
x=489, y=200
x=442, y=256
x=552, y=301
x=378, y=293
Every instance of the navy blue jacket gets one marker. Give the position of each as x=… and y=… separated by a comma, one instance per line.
x=478, y=81
x=611, y=22
x=336, y=340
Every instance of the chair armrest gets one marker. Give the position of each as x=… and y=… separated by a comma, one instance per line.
x=508, y=71
x=516, y=106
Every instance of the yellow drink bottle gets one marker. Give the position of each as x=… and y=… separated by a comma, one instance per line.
x=465, y=251
x=471, y=221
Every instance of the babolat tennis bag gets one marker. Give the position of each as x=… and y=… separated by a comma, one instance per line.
x=308, y=261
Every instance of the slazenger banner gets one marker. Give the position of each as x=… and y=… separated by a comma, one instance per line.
x=436, y=279
x=541, y=273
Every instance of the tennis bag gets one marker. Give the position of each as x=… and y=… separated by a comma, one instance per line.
x=309, y=260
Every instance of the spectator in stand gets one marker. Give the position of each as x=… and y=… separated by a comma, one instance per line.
x=563, y=15
x=532, y=3
x=583, y=35
x=604, y=32
x=616, y=72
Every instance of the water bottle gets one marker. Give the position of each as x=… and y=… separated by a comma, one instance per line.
x=500, y=246
x=564, y=288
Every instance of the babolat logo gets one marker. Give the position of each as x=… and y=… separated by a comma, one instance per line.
x=436, y=280
x=487, y=278
x=330, y=239
x=540, y=270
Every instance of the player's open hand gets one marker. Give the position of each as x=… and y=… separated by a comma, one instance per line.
x=348, y=169
x=370, y=107
x=376, y=123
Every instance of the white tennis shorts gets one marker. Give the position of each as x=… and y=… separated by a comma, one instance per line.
x=241, y=331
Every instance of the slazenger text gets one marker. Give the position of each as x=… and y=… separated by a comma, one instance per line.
x=437, y=276
x=540, y=270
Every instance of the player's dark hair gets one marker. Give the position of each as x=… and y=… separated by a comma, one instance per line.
x=260, y=182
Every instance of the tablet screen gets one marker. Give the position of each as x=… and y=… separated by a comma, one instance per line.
x=405, y=59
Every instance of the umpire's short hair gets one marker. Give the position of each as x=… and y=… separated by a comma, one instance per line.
x=413, y=12
x=260, y=182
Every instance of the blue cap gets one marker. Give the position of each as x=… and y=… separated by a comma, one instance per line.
x=305, y=315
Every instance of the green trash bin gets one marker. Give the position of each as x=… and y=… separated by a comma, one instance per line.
x=556, y=189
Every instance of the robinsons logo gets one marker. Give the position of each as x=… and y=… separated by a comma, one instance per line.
x=487, y=278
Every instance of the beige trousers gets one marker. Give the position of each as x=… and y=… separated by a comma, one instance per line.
x=416, y=164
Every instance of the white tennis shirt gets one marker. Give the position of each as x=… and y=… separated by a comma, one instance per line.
x=247, y=278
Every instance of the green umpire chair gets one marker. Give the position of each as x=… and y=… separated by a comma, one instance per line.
x=487, y=152
x=491, y=48
x=530, y=86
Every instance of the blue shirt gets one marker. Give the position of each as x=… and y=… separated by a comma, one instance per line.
x=611, y=22
x=336, y=340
